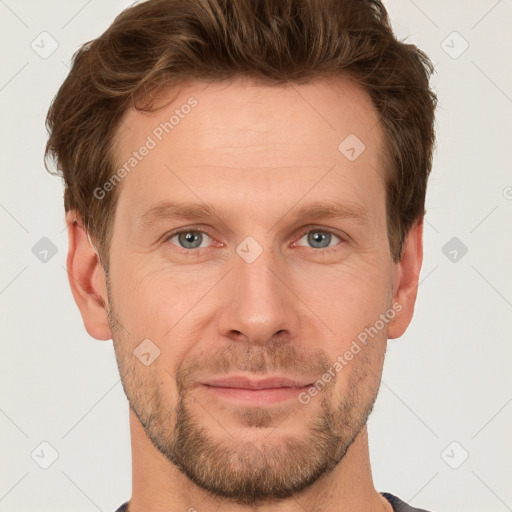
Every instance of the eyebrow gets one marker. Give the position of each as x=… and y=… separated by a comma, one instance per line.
x=188, y=211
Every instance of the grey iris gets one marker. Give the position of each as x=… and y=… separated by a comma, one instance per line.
x=190, y=237
x=319, y=237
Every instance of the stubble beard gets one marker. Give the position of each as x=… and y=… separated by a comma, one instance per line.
x=266, y=468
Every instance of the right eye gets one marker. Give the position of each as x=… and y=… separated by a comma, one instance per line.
x=189, y=239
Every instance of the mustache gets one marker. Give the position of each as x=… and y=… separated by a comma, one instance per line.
x=281, y=358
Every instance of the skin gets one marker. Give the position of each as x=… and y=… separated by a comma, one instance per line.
x=292, y=311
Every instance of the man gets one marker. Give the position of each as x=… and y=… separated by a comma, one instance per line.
x=245, y=190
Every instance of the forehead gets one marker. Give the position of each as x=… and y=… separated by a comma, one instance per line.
x=242, y=143
x=291, y=113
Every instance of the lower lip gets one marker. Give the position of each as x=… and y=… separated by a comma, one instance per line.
x=256, y=396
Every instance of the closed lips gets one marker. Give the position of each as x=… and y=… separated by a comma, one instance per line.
x=245, y=383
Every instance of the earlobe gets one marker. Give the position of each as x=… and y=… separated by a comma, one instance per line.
x=87, y=279
x=406, y=278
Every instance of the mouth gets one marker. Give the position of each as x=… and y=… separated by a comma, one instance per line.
x=255, y=391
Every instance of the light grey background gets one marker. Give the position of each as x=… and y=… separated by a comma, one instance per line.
x=447, y=380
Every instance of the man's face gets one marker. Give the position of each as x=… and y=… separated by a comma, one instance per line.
x=256, y=290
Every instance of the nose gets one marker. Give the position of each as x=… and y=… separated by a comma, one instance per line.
x=260, y=303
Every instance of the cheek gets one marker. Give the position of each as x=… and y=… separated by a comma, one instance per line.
x=347, y=298
x=350, y=303
x=151, y=301
x=165, y=307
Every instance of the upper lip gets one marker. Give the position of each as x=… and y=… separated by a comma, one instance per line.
x=243, y=382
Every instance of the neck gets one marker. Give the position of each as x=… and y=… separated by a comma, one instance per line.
x=159, y=486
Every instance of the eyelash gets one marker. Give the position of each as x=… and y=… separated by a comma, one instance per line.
x=302, y=233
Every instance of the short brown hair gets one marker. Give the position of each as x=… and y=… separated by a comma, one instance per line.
x=162, y=43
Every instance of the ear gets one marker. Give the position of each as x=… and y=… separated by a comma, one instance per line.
x=87, y=279
x=405, y=280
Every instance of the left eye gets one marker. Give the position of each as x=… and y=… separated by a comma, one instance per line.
x=190, y=239
x=319, y=239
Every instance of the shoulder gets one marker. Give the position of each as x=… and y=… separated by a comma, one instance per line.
x=399, y=505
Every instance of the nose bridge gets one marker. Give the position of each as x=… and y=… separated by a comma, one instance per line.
x=261, y=303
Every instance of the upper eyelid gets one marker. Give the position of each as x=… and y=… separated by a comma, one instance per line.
x=342, y=238
x=308, y=229
x=172, y=234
